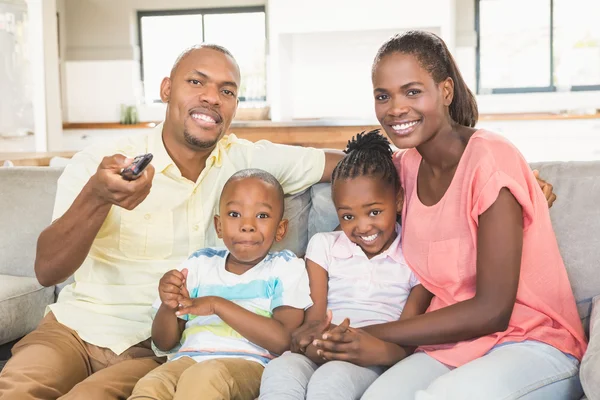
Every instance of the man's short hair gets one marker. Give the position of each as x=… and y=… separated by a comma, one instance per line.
x=187, y=51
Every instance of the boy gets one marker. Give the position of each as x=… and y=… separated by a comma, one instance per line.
x=231, y=308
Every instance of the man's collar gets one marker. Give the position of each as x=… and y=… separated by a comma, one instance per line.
x=162, y=160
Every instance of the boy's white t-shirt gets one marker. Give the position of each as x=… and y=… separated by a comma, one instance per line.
x=366, y=291
x=279, y=280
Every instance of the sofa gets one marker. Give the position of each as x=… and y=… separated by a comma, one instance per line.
x=27, y=197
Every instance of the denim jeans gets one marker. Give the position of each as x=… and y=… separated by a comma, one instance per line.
x=528, y=370
x=295, y=377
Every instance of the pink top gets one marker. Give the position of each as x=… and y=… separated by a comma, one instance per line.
x=440, y=245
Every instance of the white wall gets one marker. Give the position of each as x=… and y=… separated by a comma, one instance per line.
x=321, y=51
x=319, y=56
x=101, y=64
x=43, y=42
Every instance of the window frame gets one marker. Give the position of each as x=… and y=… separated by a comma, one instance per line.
x=531, y=89
x=193, y=11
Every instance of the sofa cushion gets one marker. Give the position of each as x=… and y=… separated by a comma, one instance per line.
x=22, y=305
x=590, y=365
x=24, y=214
x=576, y=222
x=297, y=213
x=322, y=217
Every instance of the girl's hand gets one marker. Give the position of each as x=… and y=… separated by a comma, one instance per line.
x=309, y=331
x=199, y=306
x=358, y=347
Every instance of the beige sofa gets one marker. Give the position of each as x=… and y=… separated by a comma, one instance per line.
x=27, y=197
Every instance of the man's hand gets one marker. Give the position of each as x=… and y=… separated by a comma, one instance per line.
x=109, y=186
x=357, y=346
x=547, y=188
x=309, y=331
x=199, y=306
x=172, y=287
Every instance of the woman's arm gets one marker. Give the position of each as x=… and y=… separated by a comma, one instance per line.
x=499, y=248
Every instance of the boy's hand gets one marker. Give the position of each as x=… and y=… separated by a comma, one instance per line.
x=199, y=306
x=171, y=287
x=309, y=331
x=357, y=346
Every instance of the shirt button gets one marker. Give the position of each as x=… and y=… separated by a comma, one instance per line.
x=147, y=216
x=196, y=227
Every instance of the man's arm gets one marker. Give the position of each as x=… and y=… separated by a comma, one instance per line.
x=273, y=334
x=332, y=157
x=63, y=246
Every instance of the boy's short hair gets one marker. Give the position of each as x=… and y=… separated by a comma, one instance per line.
x=261, y=175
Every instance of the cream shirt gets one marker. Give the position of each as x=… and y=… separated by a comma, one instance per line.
x=109, y=304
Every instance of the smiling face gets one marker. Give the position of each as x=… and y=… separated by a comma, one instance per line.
x=201, y=97
x=250, y=219
x=367, y=209
x=409, y=105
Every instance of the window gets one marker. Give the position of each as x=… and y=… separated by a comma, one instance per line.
x=165, y=34
x=537, y=45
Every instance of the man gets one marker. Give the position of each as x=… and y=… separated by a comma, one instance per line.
x=119, y=237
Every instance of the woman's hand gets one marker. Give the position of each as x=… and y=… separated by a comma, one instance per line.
x=546, y=187
x=345, y=343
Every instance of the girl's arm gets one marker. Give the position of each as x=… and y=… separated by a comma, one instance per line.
x=360, y=347
x=499, y=249
x=316, y=320
x=417, y=302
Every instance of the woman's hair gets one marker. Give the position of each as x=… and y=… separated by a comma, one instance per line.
x=368, y=154
x=433, y=55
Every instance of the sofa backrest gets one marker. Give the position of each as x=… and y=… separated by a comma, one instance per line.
x=27, y=198
x=575, y=217
x=576, y=221
x=26, y=203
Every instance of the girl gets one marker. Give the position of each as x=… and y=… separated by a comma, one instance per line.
x=358, y=273
x=502, y=323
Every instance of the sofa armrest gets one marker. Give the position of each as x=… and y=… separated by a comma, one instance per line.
x=590, y=365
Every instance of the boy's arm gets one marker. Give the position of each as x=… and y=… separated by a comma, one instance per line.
x=167, y=328
x=272, y=334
